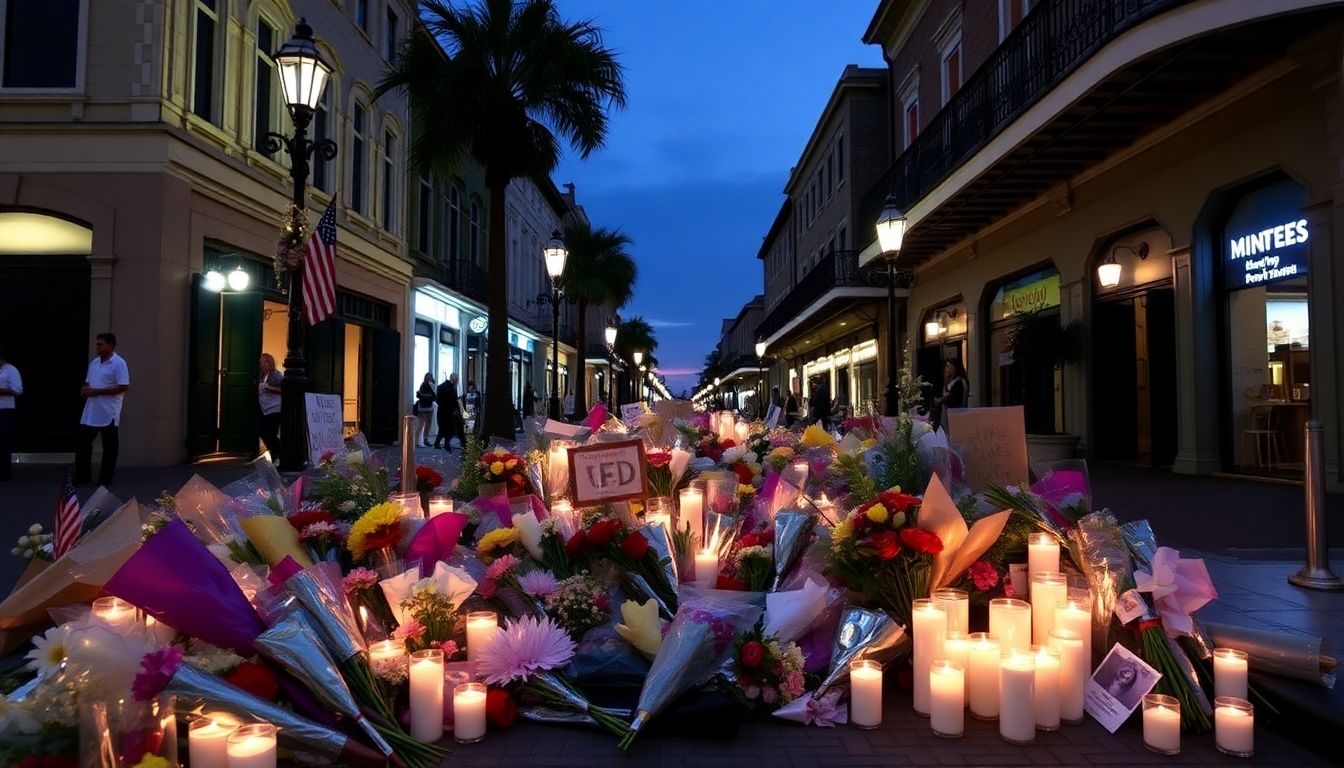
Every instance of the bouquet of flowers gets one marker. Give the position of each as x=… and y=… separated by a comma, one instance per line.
x=766, y=672
x=659, y=472
x=376, y=532
x=644, y=560
x=362, y=592
x=349, y=487
x=755, y=561
x=578, y=604
x=33, y=545
x=879, y=552
x=505, y=467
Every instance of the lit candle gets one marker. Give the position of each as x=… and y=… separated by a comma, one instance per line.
x=706, y=568
x=1042, y=553
x=1046, y=688
x=957, y=604
x=1162, y=724
x=929, y=624
x=865, y=693
x=982, y=666
x=727, y=427
x=115, y=611
x=947, y=698
x=469, y=713
x=563, y=512
x=1017, y=683
x=1010, y=622
x=410, y=501
x=482, y=626
x=386, y=650
x=957, y=649
x=426, y=695
x=1073, y=672
x=692, y=511
x=659, y=518
x=742, y=431
x=207, y=742
x=557, y=469
x=826, y=508
x=440, y=504
x=1234, y=726
x=1076, y=616
x=1229, y=672
x=1048, y=589
x=252, y=746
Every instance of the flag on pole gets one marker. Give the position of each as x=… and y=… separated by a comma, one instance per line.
x=319, y=280
x=69, y=520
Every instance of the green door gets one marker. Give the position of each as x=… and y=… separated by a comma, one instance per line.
x=239, y=352
x=203, y=372
x=385, y=385
x=324, y=354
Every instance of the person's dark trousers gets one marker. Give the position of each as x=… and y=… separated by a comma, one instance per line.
x=8, y=418
x=269, y=427
x=84, y=454
x=460, y=430
x=445, y=430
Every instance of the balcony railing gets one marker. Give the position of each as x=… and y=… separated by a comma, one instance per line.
x=840, y=269
x=465, y=277
x=1049, y=44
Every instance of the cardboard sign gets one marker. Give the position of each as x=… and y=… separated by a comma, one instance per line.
x=772, y=417
x=608, y=472
x=324, y=425
x=993, y=443
x=631, y=411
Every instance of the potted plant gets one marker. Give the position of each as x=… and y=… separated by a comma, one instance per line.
x=1041, y=345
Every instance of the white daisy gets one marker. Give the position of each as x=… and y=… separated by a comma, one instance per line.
x=15, y=717
x=49, y=651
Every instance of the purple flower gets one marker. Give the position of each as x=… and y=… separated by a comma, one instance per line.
x=157, y=669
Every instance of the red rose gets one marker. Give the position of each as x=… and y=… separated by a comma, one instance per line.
x=767, y=536
x=428, y=477
x=635, y=545
x=886, y=544
x=500, y=709
x=256, y=679
x=658, y=459
x=859, y=522
x=716, y=454
x=897, y=502
x=743, y=473
x=752, y=654
x=576, y=543
x=307, y=517
x=921, y=540
x=386, y=536
x=728, y=582
x=603, y=532
x=749, y=540
x=729, y=443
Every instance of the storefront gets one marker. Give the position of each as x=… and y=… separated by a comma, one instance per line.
x=942, y=337
x=845, y=376
x=1022, y=313
x=438, y=349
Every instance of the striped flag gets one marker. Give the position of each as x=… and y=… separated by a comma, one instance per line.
x=319, y=280
x=69, y=520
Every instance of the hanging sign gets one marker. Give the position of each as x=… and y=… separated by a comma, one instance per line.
x=325, y=426
x=1277, y=252
x=608, y=472
x=994, y=444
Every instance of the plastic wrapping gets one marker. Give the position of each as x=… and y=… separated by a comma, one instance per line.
x=792, y=531
x=329, y=613
x=1099, y=548
x=862, y=634
x=1287, y=654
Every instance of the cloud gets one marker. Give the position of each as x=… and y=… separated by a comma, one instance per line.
x=657, y=323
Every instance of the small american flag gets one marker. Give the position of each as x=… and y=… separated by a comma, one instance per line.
x=69, y=520
x=319, y=282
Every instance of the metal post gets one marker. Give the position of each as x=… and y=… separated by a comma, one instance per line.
x=1316, y=573
x=408, y=454
x=555, y=408
x=294, y=419
x=893, y=393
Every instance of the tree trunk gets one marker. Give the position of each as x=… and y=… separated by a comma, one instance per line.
x=499, y=420
x=581, y=379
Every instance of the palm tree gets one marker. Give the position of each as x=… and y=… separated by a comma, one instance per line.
x=511, y=80
x=598, y=271
x=635, y=334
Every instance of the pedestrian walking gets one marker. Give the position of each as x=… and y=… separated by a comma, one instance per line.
x=105, y=386
x=529, y=400
x=11, y=384
x=268, y=398
x=424, y=406
x=450, y=415
x=791, y=409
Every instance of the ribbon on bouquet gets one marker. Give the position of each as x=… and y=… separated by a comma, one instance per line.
x=1178, y=586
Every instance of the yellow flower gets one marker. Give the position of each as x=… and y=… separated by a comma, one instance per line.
x=153, y=761
x=816, y=437
x=636, y=507
x=497, y=468
x=379, y=516
x=641, y=627
x=782, y=452
x=869, y=443
x=497, y=539
x=745, y=490
x=511, y=463
x=878, y=513
x=841, y=533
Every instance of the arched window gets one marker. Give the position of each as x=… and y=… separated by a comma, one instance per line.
x=474, y=235
x=452, y=212
x=359, y=158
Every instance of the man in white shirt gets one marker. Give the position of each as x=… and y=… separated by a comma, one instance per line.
x=104, y=386
x=11, y=384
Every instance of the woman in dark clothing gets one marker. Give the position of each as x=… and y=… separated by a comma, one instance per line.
x=954, y=390
x=424, y=407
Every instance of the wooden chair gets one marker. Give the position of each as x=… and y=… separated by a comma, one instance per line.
x=1264, y=432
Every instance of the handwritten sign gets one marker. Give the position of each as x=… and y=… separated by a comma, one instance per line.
x=772, y=417
x=993, y=442
x=608, y=472
x=631, y=411
x=324, y=425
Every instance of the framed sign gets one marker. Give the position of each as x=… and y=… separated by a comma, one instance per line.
x=994, y=441
x=324, y=425
x=608, y=472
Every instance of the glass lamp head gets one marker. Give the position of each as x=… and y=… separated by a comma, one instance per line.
x=890, y=227
x=555, y=254
x=303, y=72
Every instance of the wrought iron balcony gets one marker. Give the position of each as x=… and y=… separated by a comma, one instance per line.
x=840, y=269
x=465, y=277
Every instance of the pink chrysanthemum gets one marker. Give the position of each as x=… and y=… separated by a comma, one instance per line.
x=449, y=648
x=156, y=669
x=538, y=583
x=360, y=579
x=500, y=566
x=410, y=630
x=525, y=646
x=486, y=588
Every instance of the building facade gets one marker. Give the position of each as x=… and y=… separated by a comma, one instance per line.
x=743, y=384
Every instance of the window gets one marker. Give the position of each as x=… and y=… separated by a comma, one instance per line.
x=910, y=109
x=840, y=159
x=951, y=73
x=41, y=43
x=424, y=204
x=362, y=14
x=820, y=183
x=390, y=35
x=830, y=175
x=474, y=244
x=453, y=212
x=358, y=160
x=1011, y=13
x=389, y=181
x=264, y=100
x=321, y=131
x=949, y=56
x=204, y=100
x=843, y=238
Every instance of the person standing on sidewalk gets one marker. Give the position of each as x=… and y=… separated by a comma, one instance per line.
x=268, y=397
x=104, y=387
x=450, y=415
x=11, y=384
x=424, y=406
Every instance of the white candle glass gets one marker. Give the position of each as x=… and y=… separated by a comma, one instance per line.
x=1234, y=726
x=957, y=604
x=469, y=713
x=1017, y=696
x=865, y=694
x=947, y=698
x=1162, y=724
x=1048, y=589
x=207, y=741
x=1073, y=673
x=1010, y=623
x=691, y=510
x=1076, y=616
x=252, y=746
x=706, y=568
x=1229, y=673
x=482, y=626
x=741, y=431
x=957, y=649
x=929, y=624
x=440, y=504
x=410, y=501
x=983, y=655
x=1042, y=553
x=386, y=650
x=115, y=611
x=426, y=695
x=1046, y=694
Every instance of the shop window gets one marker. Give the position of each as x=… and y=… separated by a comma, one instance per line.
x=204, y=96
x=942, y=334
x=1036, y=383
x=41, y=43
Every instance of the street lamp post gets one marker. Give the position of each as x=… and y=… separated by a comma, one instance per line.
x=303, y=76
x=890, y=234
x=638, y=356
x=760, y=363
x=610, y=334
x=555, y=254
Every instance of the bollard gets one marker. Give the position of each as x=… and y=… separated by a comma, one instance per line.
x=1316, y=573
x=408, y=454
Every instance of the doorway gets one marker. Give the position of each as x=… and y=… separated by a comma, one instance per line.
x=1134, y=390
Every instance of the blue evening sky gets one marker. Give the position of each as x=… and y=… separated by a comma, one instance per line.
x=723, y=94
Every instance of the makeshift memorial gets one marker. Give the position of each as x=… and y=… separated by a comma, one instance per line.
x=767, y=673
x=865, y=694
x=1117, y=687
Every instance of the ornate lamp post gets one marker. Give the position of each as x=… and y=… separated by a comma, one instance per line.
x=760, y=363
x=610, y=334
x=890, y=234
x=635, y=384
x=303, y=76
x=555, y=253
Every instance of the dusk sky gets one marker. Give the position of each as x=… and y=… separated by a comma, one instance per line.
x=722, y=98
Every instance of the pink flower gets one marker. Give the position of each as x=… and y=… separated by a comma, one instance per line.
x=486, y=588
x=538, y=583
x=449, y=649
x=769, y=695
x=359, y=580
x=525, y=646
x=157, y=669
x=1008, y=590
x=984, y=575
x=500, y=566
x=410, y=630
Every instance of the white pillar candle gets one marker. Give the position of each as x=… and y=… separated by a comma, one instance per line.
x=1048, y=589
x=727, y=425
x=1017, y=696
x=1162, y=724
x=1234, y=726
x=865, y=693
x=929, y=624
x=252, y=746
x=1042, y=553
x=957, y=604
x=659, y=518
x=386, y=650
x=482, y=626
x=557, y=469
x=1010, y=623
x=563, y=512
x=1073, y=673
x=947, y=698
x=1046, y=693
x=741, y=431
x=706, y=568
x=1076, y=616
x=529, y=531
x=440, y=504
x=982, y=667
x=1229, y=673
x=957, y=649
x=426, y=695
x=691, y=510
x=115, y=611
x=469, y=713
x=207, y=742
